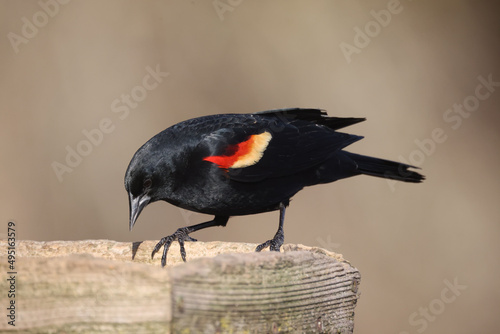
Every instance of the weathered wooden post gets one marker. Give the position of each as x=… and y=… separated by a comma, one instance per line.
x=95, y=286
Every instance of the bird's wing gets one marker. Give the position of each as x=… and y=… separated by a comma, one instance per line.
x=317, y=116
x=272, y=146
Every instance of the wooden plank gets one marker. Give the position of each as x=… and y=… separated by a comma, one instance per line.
x=98, y=288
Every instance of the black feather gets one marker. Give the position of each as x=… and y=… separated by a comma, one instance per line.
x=317, y=116
x=385, y=168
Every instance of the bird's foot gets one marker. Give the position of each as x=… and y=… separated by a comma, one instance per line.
x=181, y=235
x=274, y=244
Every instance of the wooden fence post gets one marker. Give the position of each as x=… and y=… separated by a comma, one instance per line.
x=95, y=286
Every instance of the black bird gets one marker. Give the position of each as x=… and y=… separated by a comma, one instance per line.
x=241, y=164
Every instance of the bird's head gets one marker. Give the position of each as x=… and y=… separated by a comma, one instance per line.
x=146, y=180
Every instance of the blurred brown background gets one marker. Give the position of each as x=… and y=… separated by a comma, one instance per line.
x=67, y=67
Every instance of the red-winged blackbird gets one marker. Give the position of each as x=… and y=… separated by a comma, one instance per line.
x=240, y=164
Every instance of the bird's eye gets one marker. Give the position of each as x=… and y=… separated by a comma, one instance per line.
x=147, y=183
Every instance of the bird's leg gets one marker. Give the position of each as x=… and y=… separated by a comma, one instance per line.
x=182, y=235
x=275, y=243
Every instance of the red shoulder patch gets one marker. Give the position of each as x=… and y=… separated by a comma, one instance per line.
x=244, y=154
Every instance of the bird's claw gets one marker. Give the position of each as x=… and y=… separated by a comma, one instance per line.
x=181, y=235
x=274, y=244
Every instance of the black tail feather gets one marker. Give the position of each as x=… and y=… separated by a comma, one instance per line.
x=385, y=168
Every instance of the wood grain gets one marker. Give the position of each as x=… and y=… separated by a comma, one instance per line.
x=95, y=286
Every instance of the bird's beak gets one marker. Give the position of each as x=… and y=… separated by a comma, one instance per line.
x=136, y=204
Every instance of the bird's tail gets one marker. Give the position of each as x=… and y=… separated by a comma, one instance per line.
x=385, y=168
